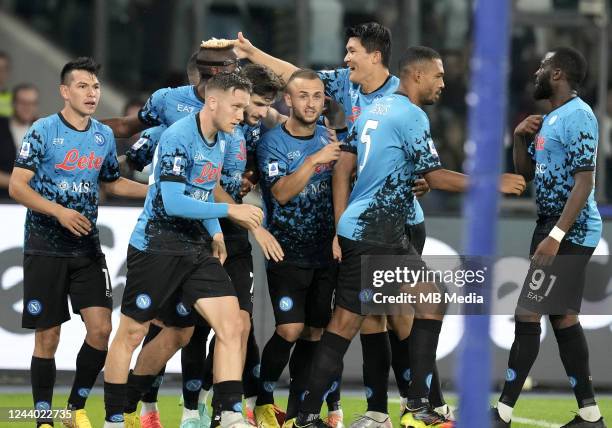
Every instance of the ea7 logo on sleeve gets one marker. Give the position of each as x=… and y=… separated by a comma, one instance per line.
x=176, y=165
x=25, y=149
x=273, y=169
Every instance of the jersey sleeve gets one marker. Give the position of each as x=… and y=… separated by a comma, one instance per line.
x=173, y=158
x=336, y=82
x=580, y=137
x=142, y=151
x=349, y=143
x=419, y=145
x=110, y=167
x=32, y=150
x=273, y=164
x=153, y=112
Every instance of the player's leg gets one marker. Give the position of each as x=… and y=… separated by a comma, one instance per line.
x=192, y=367
x=288, y=286
x=424, y=336
x=45, y=289
x=91, y=297
x=525, y=347
x=149, y=412
x=210, y=291
x=376, y=353
x=151, y=280
x=344, y=325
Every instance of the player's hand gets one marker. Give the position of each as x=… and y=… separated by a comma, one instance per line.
x=246, y=185
x=512, y=184
x=420, y=187
x=546, y=252
x=269, y=245
x=218, y=247
x=529, y=127
x=247, y=216
x=336, y=250
x=243, y=48
x=329, y=153
x=74, y=221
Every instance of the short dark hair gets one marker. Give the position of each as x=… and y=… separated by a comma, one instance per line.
x=85, y=63
x=304, y=73
x=265, y=82
x=572, y=63
x=192, y=63
x=226, y=80
x=416, y=54
x=373, y=37
x=22, y=87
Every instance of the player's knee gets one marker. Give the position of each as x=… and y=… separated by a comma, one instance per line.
x=99, y=333
x=183, y=336
x=290, y=332
x=312, y=333
x=527, y=318
x=563, y=321
x=229, y=332
x=134, y=335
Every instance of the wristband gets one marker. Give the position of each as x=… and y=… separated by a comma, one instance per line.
x=557, y=234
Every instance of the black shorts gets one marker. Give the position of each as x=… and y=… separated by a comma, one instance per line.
x=153, y=281
x=48, y=281
x=556, y=289
x=301, y=295
x=239, y=267
x=349, y=271
x=416, y=235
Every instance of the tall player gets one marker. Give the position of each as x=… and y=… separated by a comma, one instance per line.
x=295, y=160
x=393, y=144
x=63, y=159
x=557, y=151
x=170, y=251
x=365, y=79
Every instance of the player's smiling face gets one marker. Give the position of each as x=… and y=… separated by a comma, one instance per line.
x=358, y=60
x=257, y=109
x=229, y=109
x=81, y=92
x=306, y=98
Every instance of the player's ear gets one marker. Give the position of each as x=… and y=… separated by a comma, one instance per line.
x=288, y=99
x=376, y=57
x=63, y=89
x=556, y=73
x=211, y=102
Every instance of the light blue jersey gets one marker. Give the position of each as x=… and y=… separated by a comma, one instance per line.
x=565, y=145
x=68, y=165
x=166, y=106
x=393, y=144
x=183, y=155
x=339, y=87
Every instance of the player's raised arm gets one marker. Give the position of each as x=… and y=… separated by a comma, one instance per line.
x=126, y=126
x=523, y=137
x=244, y=49
x=341, y=179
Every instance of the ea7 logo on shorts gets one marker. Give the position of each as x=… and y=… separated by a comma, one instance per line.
x=285, y=304
x=272, y=169
x=99, y=139
x=34, y=307
x=143, y=301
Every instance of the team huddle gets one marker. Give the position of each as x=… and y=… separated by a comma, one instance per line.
x=339, y=178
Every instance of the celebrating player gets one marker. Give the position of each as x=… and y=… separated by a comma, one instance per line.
x=295, y=160
x=62, y=159
x=170, y=248
x=557, y=151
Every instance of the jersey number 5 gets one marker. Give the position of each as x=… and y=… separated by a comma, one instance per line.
x=366, y=139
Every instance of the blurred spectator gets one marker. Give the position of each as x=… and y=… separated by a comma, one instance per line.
x=5, y=93
x=13, y=129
